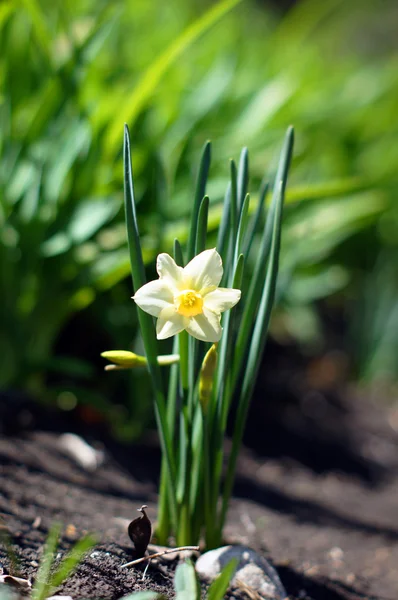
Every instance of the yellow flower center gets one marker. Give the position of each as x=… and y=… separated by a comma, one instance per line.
x=189, y=303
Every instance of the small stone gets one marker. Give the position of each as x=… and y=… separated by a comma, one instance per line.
x=82, y=453
x=252, y=571
x=36, y=523
x=336, y=553
x=70, y=531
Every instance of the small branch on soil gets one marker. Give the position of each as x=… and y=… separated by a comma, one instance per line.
x=158, y=554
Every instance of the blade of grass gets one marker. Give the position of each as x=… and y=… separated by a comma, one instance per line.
x=200, y=192
x=233, y=223
x=260, y=329
x=217, y=414
x=234, y=201
x=255, y=288
x=219, y=587
x=223, y=231
x=70, y=562
x=186, y=583
x=147, y=326
x=243, y=177
x=242, y=228
x=256, y=219
x=41, y=29
x=41, y=586
x=200, y=242
x=143, y=91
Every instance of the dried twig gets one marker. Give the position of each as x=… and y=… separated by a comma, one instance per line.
x=158, y=554
x=247, y=590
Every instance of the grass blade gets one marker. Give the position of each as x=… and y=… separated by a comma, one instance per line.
x=146, y=325
x=41, y=586
x=199, y=195
x=218, y=409
x=242, y=227
x=261, y=323
x=143, y=92
x=243, y=177
x=70, y=562
x=223, y=231
x=233, y=224
x=253, y=295
x=255, y=220
x=219, y=587
x=201, y=233
x=186, y=583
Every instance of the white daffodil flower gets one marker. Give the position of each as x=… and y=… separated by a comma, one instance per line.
x=188, y=298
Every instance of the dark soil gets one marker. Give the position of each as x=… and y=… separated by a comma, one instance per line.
x=316, y=494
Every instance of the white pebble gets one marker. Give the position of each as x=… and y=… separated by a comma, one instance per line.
x=81, y=452
x=253, y=571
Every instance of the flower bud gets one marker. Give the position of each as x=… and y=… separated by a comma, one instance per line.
x=123, y=359
x=207, y=377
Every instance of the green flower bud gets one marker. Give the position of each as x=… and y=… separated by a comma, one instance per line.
x=206, y=379
x=123, y=359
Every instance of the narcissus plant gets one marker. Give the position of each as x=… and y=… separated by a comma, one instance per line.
x=190, y=306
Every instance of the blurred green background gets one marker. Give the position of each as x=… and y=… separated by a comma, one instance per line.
x=179, y=73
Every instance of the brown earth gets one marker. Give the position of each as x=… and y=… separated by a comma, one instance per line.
x=316, y=494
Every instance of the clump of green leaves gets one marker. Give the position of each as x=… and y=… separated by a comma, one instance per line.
x=194, y=498
x=49, y=576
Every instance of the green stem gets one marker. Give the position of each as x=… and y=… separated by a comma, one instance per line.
x=164, y=523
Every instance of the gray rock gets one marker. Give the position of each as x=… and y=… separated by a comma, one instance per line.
x=252, y=571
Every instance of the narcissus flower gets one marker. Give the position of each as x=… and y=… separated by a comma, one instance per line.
x=188, y=298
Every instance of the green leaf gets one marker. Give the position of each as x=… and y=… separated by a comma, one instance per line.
x=256, y=219
x=178, y=255
x=201, y=234
x=261, y=322
x=143, y=92
x=243, y=176
x=70, y=562
x=219, y=587
x=147, y=327
x=199, y=196
x=223, y=237
x=89, y=216
x=41, y=586
x=186, y=583
x=242, y=227
x=253, y=296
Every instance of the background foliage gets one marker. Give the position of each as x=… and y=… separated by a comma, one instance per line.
x=180, y=72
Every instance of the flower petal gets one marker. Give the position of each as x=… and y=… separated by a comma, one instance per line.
x=154, y=296
x=169, y=323
x=205, y=327
x=169, y=272
x=204, y=271
x=221, y=299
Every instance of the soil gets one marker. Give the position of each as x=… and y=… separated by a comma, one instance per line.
x=316, y=492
